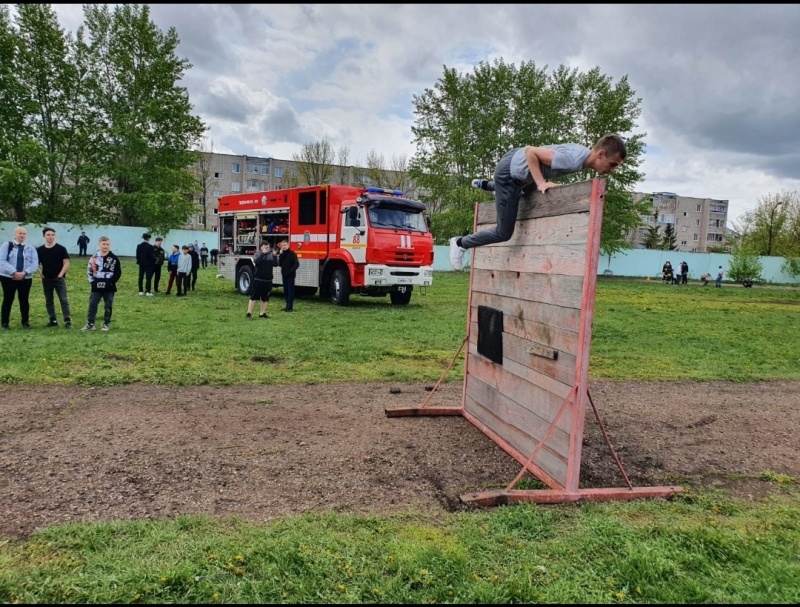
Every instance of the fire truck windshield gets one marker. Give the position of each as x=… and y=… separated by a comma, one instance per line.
x=387, y=217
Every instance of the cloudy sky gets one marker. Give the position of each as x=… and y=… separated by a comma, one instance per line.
x=719, y=84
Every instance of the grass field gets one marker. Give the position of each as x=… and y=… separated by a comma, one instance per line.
x=641, y=331
x=696, y=548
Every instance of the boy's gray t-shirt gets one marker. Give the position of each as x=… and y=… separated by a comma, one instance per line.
x=567, y=158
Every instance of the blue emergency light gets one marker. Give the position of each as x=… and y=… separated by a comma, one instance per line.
x=375, y=190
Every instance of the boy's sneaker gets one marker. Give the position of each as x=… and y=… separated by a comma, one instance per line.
x=263, y=316
x=483, y=184
x=456, y=254
x=141, y=293
x=248, y=315
x=105, y=327
x=88, y=327
x=149, y=294
x=52, y=323
x=68, y=324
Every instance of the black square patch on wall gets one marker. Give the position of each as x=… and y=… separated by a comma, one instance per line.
x=490, y=333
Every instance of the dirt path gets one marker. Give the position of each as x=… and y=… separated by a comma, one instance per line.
x=137, y=452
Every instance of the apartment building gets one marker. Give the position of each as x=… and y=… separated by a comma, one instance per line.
x=698, y=223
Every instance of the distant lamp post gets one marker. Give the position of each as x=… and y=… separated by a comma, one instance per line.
x=772, y=226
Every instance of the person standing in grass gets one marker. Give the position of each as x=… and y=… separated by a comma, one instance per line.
x=264, y=262
x=184, y=271
x=145, y=259
x=172, y=267
x=720, y=274
x=18, y=264
x=287, y=259
x=104, y=271
x=204, y=256
x=54, y=263
x=195, y=256
x=159, y=256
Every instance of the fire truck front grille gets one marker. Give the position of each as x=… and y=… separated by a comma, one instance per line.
x=410, y=258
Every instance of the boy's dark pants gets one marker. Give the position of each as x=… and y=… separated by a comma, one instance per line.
x=94, y=301
x=59, y=285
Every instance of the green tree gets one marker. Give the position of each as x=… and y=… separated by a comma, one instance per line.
x=21, y=158
x=146, y=126
x=744, y=263
x=51, y=78
x=668, y=238
x=314, y=163
x=466, y=122
x=773, y=227
x=653, y=239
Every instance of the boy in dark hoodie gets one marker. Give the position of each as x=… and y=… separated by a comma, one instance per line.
x=104, y=271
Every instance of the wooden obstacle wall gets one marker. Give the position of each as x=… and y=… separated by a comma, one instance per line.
x=535, y=295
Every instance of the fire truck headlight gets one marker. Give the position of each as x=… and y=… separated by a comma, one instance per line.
x=428, y=274
x=376, y=271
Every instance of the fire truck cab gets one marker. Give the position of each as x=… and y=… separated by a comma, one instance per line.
x=349, y=240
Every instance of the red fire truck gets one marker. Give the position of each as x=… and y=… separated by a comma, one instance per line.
x=349, y=240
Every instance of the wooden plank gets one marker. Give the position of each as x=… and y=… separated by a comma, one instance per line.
x=521, y=445
x=564, y=200
x=537, y=392
x=533, y=410
x=561, y=230
x=514, y=351
x=568, y=260
x=502, y=497
x=540, y=350
x=552, y=325
x=420, y=411
x=498, y=415
x=557, y=290
x=585, y=332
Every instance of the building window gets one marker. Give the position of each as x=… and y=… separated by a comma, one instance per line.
x=234, y=167
x=715, y=223
x=697, y=222
x=236, y=187
x=294, y=173
x=258, y=167
x=201, y=220
x=699, y=208
x=683, y=243
x=718, y=208
x=684, y=229
x=696, y=237
x=278, y=172
x=685, y=214
x=216, y=193
x=255, y=184
x=713, y=237
x=217, y=175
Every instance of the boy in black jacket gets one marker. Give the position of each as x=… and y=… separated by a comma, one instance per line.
x=104, y=271
x=289, y=264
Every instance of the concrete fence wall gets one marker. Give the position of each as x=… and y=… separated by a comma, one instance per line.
x=647, y=262
x=123, y=238
x=633, y=262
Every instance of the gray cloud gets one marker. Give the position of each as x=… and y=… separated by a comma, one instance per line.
x=281, y=124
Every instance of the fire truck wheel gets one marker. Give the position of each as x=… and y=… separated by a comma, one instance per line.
x=244, y=280
x=340, y=287
x=401, y=299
